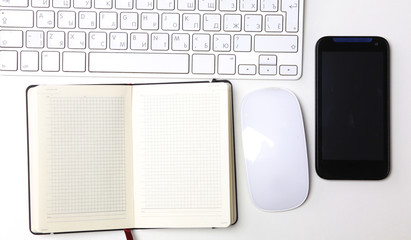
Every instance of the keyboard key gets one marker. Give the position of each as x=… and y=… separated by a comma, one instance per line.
x=165, y=4
x=138, y=62
x=159, y=41
x=82, y=3
x=269, y=5
x=8, y=60
x=40, y=3
x=149, y=21
x=139, y=41
x=128, y=21
x=290, y=70
x=191, y=22
x=226, y=64
x=228, y=5
x=124, y=4
x=34, y=39
x=50, y=61
x=11, y=38
x=274, y=43
x=76, y=40
x=232, y=22
x=211, y=22
x=180, y=42
x=29, y=61
x=291, y=7
x=118, y=41
x=201, y=42
x=103, y=4
x=268, y=70
x=222, y=42
x=61, y=3
x=247, y=69
x=145, y=4
x=55, y=39
x=108, y=20
x=16, y=18
x=268, y=60
x=45, y=19
x=74, y=61
x=242, y=43
x=13, y=3
x=274, y=23
x=97, y=40
x=203, y=63
x=170, y=21
x=207, y=5
x=186, y=4
x=248, y=5
x=87, y=20
x=253, y=23
x=66, y=19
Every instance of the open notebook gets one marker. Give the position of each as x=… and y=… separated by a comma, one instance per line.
x=130, y=156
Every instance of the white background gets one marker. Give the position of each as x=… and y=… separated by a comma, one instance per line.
x=333, y=210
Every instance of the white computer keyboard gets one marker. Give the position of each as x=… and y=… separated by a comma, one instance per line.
x=234, y=39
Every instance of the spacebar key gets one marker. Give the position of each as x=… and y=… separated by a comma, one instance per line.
x=138, y=62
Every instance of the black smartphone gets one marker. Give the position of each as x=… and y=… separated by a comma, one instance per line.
x=352, y=108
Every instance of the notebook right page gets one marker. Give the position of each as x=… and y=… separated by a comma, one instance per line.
x=183, y=156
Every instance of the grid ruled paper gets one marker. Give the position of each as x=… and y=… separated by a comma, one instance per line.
x=86, y=155
x=180, y=148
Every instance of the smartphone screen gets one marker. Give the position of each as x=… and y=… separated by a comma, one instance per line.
x=352, y=108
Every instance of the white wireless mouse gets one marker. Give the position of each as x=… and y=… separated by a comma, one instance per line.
x=274, y=149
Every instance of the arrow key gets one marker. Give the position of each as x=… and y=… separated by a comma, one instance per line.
x=246, y=69
x=268, y=70
x=288, y=70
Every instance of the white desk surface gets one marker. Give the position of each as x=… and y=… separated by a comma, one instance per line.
x=333, y=210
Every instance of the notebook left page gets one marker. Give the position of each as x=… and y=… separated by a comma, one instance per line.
x=80, y=158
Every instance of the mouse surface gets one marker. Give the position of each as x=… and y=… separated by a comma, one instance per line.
x=274, y=149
